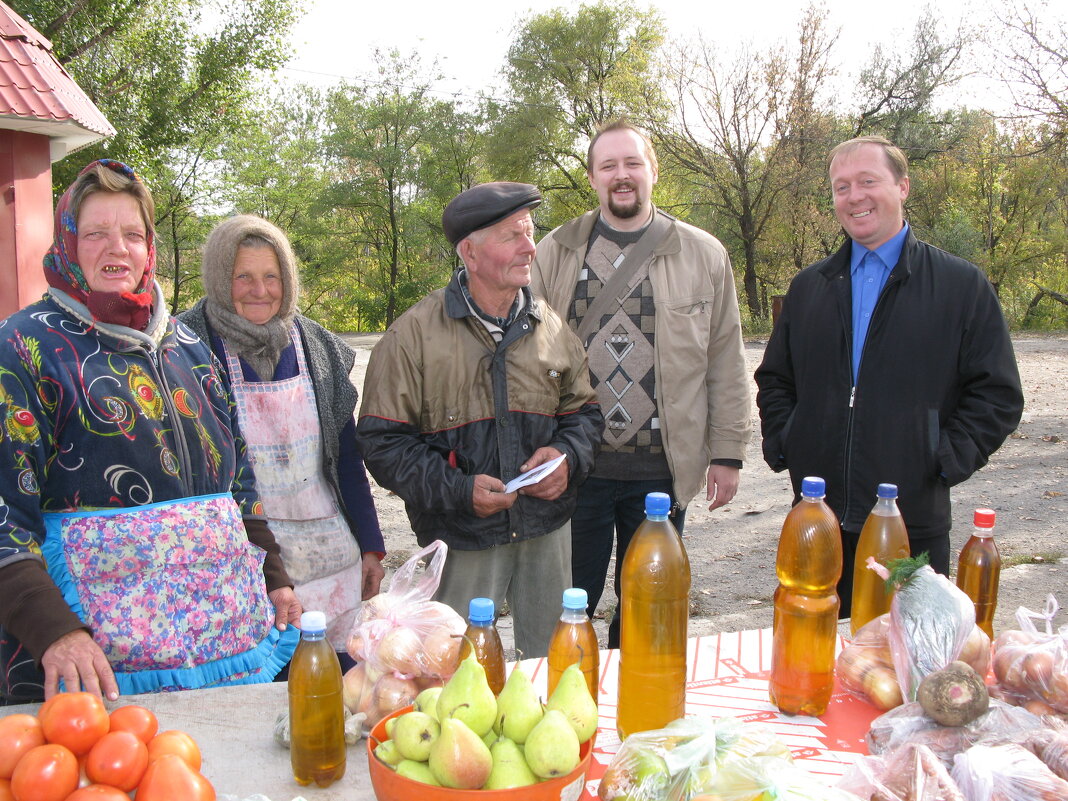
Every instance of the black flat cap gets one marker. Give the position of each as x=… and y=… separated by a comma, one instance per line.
x=483, y=205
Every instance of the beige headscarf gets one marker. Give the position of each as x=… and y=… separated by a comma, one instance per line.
x=258, y=344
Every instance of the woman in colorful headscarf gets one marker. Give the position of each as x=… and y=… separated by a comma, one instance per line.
x=290, y=379
x=134, y=554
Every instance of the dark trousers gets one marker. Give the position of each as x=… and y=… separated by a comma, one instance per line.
x=609, y=511
x=936, y=547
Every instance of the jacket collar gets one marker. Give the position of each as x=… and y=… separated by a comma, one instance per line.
x=575, y=234
x=838, y=263
x=456, y=304
x=150, y=339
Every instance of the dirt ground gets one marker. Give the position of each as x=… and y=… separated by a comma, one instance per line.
x=732, y=550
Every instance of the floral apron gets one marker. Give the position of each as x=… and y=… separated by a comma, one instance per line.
x=280, y=424
x=173, y=592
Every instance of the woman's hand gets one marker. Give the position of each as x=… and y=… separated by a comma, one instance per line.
x=373, y=573
x=287, y=608
x=80, y=663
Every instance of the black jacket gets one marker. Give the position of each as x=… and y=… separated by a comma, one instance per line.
x=937, y=392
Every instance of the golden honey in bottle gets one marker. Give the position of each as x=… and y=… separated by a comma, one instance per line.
x=885, y=539
x=805, y=628
x=979, y=570
x=482, y=636
x=654, y=601
x=574, y=640
x=316, y=711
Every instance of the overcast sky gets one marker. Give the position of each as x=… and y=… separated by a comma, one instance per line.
x=470, y=38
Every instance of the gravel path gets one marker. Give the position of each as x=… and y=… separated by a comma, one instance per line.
x=732, y=550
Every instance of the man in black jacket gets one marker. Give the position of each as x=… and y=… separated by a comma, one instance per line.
x=891, y=362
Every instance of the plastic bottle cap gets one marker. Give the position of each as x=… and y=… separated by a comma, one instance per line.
x=576, y=598
x=657, y=503
x=984, y=518
x=813, y=487
x=480, y=610
x=887, y=491
x=313, y=621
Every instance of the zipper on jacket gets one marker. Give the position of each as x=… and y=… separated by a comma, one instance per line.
x=890, y=280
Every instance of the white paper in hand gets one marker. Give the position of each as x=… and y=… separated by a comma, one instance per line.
x=535, y=475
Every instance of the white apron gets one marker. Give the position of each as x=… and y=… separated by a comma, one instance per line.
x=280, y=425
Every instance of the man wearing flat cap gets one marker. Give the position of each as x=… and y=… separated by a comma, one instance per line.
x=474, y=385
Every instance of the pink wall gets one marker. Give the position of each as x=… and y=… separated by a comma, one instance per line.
x=25, y=217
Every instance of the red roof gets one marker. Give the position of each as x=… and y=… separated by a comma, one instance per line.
x=38, y=95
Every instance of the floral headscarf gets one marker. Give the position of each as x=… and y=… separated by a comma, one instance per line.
x=130, y=309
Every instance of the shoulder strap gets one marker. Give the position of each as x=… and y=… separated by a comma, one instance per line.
x=618, y=286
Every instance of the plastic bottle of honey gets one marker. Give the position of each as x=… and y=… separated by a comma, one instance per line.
x=482, y=635
x=316, y=712
x=574, y=640
x=979, y=570
x=654, y=599
x=808, y=565
x=883, y=537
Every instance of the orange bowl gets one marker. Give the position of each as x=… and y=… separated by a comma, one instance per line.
x=389, y=786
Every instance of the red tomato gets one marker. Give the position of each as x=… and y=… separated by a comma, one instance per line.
x=136, y=719
x=174, y=742
x=169, y=778
x=45, y=773
x=118, y=759
x=76, y=720
x=18, y=734
x=97, y=792
x=5, y=791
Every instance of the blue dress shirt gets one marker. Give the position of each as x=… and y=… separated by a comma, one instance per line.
x=869, y=270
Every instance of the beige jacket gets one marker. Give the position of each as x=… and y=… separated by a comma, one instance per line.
x=702, y=384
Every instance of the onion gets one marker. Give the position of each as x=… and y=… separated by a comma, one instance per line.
x=376, y=607
x=355, y=646
x=389, y=694
x=882, y=689
x=1037, y=671
x=400, y=650
x=441, y=653
x=356, y=689
x=444, y=616
x=976, y=651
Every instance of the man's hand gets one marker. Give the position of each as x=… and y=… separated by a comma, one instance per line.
x=373, y=573
x=489, y=496
x=553, y=485
x=80, y=663
x=722, y=485
x=287, y=608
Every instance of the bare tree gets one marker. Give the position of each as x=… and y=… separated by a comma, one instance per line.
x=741, y=132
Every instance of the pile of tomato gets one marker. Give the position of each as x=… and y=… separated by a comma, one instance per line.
x=73, y=750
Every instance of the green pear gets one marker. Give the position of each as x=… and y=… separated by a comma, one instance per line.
x=552, y=747
x=518, y=707
x=510, y=768
x=414, y=733
x=387, y=752
x=572, y=697
x=427, y=701
x=490, y=738
x=417, y=771
x=458, y=758
x=468, y=697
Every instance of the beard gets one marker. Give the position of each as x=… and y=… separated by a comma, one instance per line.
x=630, y=210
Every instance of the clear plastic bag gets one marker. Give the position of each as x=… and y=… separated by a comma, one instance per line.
x=1006, y=773
x=681, y=760
x=865, y=666
x=930, y=621
x=910, y=773
x=1031, y=665
x=1001, y=723
x=403, y=640
x=761, y=778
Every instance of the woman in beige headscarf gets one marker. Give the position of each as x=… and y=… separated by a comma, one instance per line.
x=295, y=406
